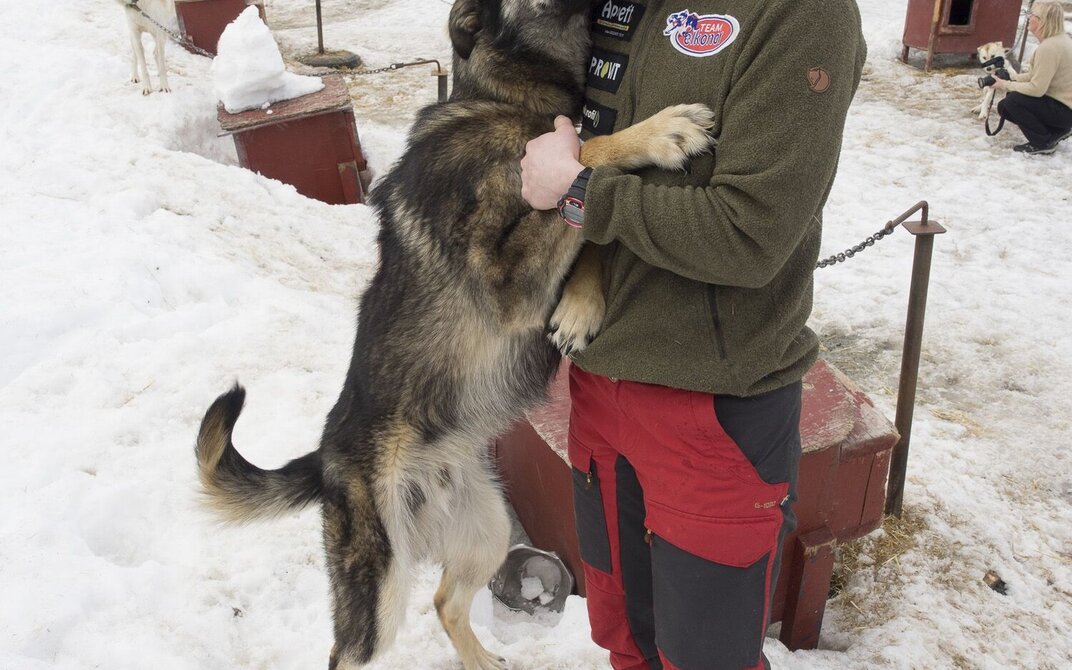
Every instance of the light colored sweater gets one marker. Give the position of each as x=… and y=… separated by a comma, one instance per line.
x=1051, y=71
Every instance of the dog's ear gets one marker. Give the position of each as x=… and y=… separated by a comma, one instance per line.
x=464, y=23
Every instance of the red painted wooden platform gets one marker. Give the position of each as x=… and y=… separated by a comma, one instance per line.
x=842, y=489
x=203, y=21
x=309, y=142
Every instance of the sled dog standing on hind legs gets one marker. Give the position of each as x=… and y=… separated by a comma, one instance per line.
x=452, y=341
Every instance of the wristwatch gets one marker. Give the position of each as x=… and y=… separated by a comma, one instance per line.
x=571, y=205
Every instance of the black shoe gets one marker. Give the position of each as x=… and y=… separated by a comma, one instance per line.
x=1065, y=136
x=1033, y=150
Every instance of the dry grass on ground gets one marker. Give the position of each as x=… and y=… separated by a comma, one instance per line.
x=874, y=558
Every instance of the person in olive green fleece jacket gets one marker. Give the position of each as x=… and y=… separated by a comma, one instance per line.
x=684, y=428
x=1040, y=100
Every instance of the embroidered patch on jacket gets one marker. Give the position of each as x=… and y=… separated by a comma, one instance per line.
x=606, y=70
x=616, y=18
x=700, y=36
x=598, y=119
x=818, y=80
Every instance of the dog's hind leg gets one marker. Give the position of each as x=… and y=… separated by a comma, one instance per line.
x=135, y=78
x=139, y=65
x=474, y=546
x=361, y=563
x=159, y=39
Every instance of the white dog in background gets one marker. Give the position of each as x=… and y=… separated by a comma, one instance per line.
x=163, y=12
x=986, y=52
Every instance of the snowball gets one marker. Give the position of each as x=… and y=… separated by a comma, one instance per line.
x=531, y=588
x=248, y=70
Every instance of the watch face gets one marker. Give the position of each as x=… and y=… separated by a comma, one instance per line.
x=572, y=211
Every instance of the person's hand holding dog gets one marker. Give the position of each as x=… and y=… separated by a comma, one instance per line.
x=550, y=165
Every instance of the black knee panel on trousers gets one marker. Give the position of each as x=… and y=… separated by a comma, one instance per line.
x=686, y=586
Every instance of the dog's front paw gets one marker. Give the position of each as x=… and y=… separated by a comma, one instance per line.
x=576, y=320
x=164, y=89
x=146, y=89
x=679, y=132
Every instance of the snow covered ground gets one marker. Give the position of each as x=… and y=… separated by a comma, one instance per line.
x=142, y=271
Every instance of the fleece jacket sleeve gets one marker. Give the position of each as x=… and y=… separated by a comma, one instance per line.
x=778, y=146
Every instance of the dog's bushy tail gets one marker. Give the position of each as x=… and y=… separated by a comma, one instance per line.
x=239, y=490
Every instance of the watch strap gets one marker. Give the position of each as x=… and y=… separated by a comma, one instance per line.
x=580, y=184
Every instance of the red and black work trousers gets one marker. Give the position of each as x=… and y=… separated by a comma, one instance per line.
x=682, y=500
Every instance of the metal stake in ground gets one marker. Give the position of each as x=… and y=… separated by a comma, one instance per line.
x=924, y=231
x=334, y=58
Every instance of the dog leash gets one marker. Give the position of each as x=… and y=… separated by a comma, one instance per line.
x=175, y=37
x=986, y=124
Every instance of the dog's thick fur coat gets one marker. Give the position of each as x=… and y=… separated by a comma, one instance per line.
x=452, y=341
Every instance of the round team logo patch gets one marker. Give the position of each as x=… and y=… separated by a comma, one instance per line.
x=699, y=36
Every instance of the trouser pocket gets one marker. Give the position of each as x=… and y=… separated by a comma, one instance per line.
x=592, y=534
x=708, y=616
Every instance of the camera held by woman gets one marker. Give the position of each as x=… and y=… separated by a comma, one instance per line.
x=1039, y=102
x=996, y=67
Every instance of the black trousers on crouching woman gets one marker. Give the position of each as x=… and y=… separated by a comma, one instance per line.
x=1042, y=120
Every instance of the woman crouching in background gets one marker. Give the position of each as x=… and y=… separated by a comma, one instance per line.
x=1040, y=101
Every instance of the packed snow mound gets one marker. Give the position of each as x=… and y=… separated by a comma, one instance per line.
x=248, y=70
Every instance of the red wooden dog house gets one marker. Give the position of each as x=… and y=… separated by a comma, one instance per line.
x=958, y=26
x=847, y=445
x=309, y=142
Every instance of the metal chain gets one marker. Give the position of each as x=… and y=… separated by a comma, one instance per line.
x=395, y=66
x=173, y=35
x=852, y=251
